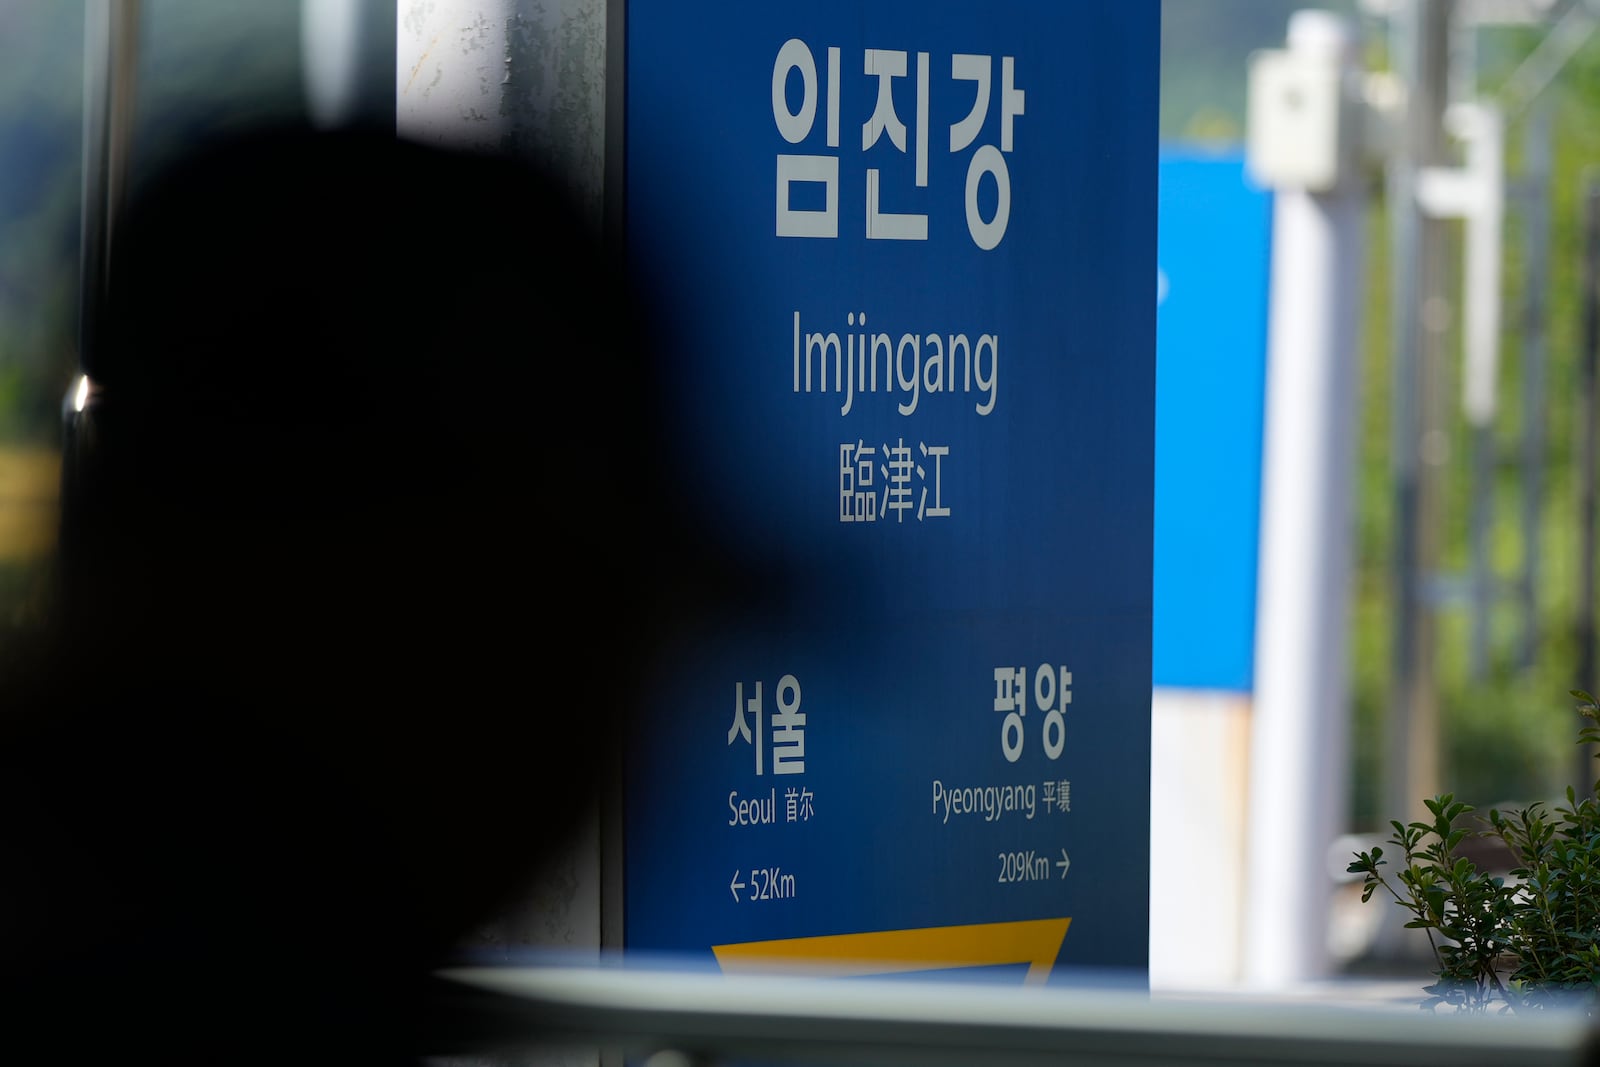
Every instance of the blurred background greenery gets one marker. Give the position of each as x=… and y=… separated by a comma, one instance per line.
x=1507, y=727
x=205, y=68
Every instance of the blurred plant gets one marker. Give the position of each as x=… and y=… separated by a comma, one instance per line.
x=1532, y=942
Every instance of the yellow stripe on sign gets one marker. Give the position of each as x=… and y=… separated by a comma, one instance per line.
x=1035, y=942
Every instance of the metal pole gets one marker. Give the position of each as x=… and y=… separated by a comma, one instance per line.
x=1537, y=223
x=1484, y=130
x=1405, y=256
x=1419, y=45
x=1483, y=578
x=1590, y=439
x=111, y=53
x=1421, y=32
x=1298, y=777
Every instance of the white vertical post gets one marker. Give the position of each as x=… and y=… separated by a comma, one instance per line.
x=1476, y=193
x=451, y=62
x=330, y=54
x=524, y=77
x=1298, y=739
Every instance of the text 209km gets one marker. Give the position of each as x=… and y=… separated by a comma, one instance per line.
x=1022, y=867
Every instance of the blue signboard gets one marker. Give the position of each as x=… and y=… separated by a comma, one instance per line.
x=902, y=255
x=1215, y=253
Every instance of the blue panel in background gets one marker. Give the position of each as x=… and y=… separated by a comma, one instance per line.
x=1214, y=261
x=949, y=726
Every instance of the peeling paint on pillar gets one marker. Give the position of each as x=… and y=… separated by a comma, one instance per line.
x=520, y=76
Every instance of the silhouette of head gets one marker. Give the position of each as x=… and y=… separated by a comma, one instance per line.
x=363, y=530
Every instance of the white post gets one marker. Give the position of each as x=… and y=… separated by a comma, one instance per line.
x=330, y=56
x=1298, y=759
x=526, y=77
x=451, y=64
x=1476, y=193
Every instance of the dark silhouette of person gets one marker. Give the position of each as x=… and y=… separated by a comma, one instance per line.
x=367, y=549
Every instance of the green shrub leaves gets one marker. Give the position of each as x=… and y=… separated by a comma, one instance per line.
x=1529, y=943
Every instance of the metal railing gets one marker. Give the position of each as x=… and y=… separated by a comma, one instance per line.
x=699, y=1018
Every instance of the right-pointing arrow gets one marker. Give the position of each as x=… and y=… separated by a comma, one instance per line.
x=736, y=885
x=1064, y=862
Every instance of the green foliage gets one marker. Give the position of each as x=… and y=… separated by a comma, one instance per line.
x=1497, y=735
x=1531, y=942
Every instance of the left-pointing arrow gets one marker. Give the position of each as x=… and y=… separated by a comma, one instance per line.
x=735, y=885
